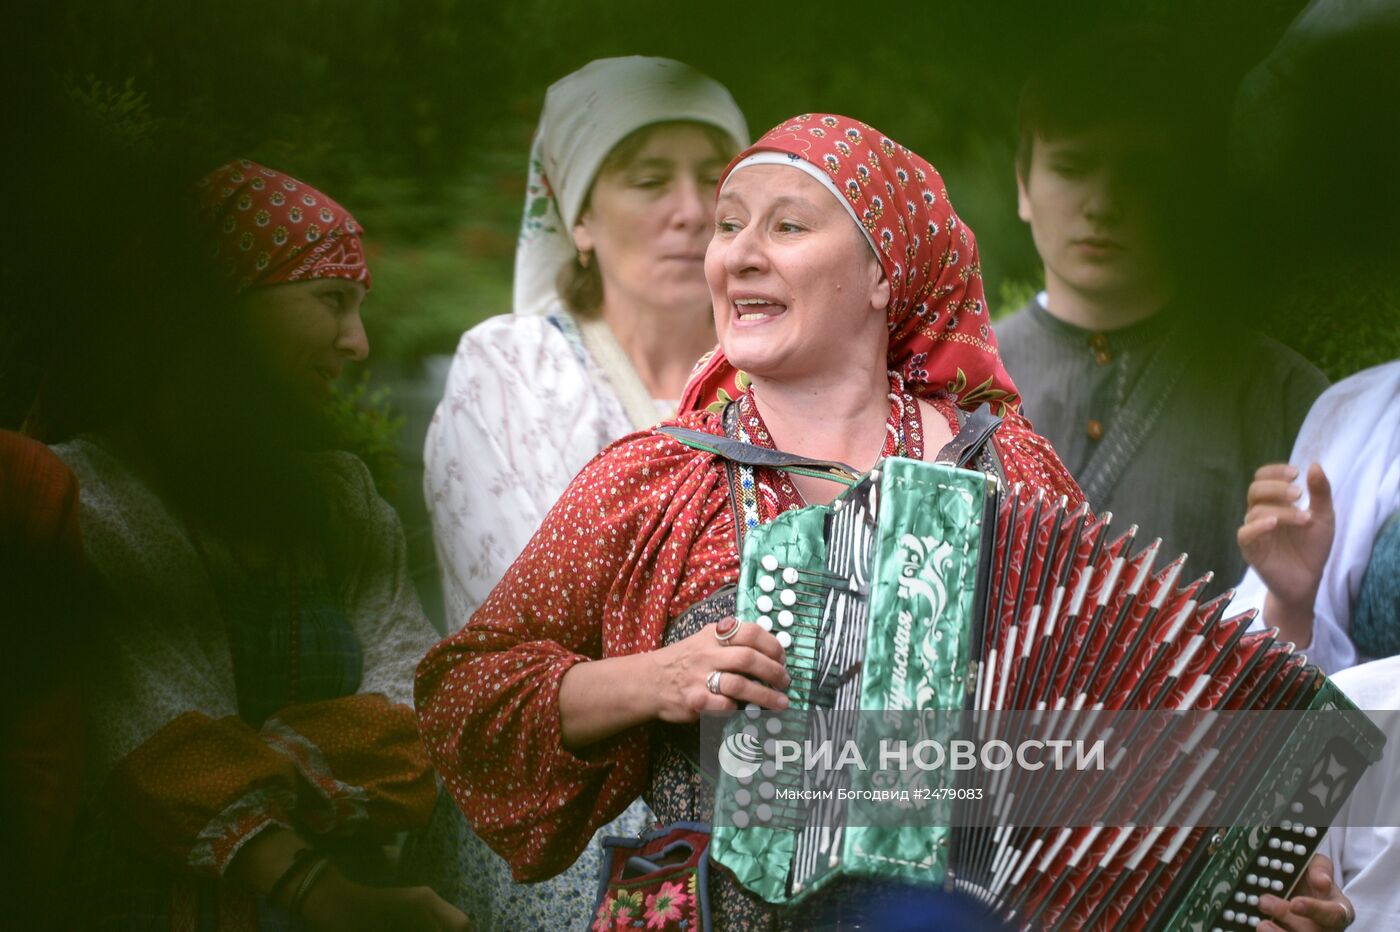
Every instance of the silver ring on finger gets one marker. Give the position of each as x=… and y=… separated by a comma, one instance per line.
x=712, y=681
x=1348, y=913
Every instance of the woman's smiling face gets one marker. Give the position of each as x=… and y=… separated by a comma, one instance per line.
x=796, y=287
x=307, y=331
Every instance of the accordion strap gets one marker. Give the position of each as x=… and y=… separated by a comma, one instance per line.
x=740, y=459
x=748, y=454
x=730, y=420
x=974, y=431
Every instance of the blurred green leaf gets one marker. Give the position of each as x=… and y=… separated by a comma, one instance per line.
x=369, y=427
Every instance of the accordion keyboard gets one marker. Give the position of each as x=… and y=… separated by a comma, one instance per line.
x=809, y=600
x=1282, y=860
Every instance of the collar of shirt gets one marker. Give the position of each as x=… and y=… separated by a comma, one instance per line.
x=1144, y=334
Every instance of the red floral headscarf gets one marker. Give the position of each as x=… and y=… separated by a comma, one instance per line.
x=270, y=228
x=941, y=338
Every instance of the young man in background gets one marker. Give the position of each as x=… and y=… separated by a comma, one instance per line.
x=1130, y=361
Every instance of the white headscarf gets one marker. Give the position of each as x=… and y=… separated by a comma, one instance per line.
x=585, y=115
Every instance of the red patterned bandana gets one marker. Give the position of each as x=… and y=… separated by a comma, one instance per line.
x=941, y=338
x=270, y=228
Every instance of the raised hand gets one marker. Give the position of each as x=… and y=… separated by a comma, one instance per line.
x=1287, y=545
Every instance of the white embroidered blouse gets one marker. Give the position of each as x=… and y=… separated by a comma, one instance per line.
x=529, y=401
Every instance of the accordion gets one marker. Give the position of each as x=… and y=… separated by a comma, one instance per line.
x=926, y=586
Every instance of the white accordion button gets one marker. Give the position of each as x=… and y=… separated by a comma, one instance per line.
x=764, y=812
x=787, y=597
x=1276, y=886
x=1310, y=832
x=767, y=583
x=785, y=618
x=765, y=622
x=764, y=603
x=769, y=563
x=742, y=797
x=1287, y=867
x=1274, y=843
x=784, y=639
x=790, y=576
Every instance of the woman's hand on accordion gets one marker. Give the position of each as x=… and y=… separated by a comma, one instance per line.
x=739, y=665
x=1319, y=905
x=599, y=698
x=1287, y=545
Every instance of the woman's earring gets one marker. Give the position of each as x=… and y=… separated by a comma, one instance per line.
x=585, y=258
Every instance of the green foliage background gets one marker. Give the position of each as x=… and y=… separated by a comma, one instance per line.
x=418, y=115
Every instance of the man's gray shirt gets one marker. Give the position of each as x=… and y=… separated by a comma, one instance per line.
x=1164, y=422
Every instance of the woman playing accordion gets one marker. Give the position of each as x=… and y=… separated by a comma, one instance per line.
x=852, y=327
